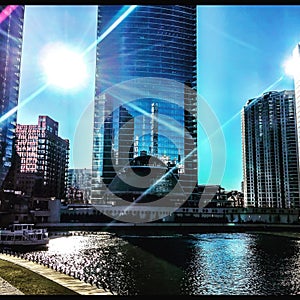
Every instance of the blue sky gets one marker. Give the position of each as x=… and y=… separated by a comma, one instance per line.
x=241, y=52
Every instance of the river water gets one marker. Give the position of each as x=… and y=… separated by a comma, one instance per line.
x=194, y=264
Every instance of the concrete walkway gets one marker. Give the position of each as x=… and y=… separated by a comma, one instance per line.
x=7, y=289
x=69, y=282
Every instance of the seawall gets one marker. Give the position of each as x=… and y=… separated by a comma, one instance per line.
x=160, y=228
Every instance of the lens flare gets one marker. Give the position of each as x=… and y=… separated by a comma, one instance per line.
x=7, y=11
x=10, y=8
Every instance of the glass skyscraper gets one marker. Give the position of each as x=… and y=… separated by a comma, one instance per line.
x=11, y=35
x=145, y=105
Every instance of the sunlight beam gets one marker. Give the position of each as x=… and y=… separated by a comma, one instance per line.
x=110, y=28
x=28, y=99
x=240, y=111
x=10, y=8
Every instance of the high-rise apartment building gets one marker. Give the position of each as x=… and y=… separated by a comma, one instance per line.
x=44, y=158
x=156, y=42
x=11, y=34
x=270, y=159
x=296, y=74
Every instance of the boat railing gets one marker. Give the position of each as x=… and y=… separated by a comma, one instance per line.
x=24, y=233
x=33, y=234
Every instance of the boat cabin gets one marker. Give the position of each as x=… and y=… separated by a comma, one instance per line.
x=18, y=227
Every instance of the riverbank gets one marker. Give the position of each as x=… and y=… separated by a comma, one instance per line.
x=6, y=288
x=292, y=235
x=55, y=234
x=161, y=228
x=63, y=282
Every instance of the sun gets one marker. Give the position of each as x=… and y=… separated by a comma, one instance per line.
x=63, y=67
x=292, y=66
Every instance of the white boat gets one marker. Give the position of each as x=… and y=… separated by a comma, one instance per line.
x=24, y=236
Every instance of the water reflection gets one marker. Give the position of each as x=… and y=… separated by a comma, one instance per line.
x=220, y=265
x=197, y=264
x=277, y=265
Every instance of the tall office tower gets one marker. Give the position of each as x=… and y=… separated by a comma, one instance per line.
x=44, y=159
x=11, y=34
x=270, y=162
x=157, y=42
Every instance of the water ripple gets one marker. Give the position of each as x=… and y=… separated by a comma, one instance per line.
x=198, y=264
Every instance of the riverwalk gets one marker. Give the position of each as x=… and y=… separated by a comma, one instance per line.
x=7, y=289
x=76, y=285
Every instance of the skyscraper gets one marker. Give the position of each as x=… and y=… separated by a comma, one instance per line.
x=44, y=159
x=11, y=34
x=296, y=74
x=270, y=162
x=142, y=60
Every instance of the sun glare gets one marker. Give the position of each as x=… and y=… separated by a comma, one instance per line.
x=63, y=67
x=292, y=66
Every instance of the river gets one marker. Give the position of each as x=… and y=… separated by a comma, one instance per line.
x=175, y=264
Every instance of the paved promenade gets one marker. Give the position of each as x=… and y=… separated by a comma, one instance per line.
x=7, y=289
x=69, y=282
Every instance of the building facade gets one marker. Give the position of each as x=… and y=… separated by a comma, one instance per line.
x=296, y=61
x=270, y=155
x=79, y=185
x=11, y=35
x=44, y=158
x=157, y=42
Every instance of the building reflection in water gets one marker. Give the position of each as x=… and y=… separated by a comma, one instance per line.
x=243, y=264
